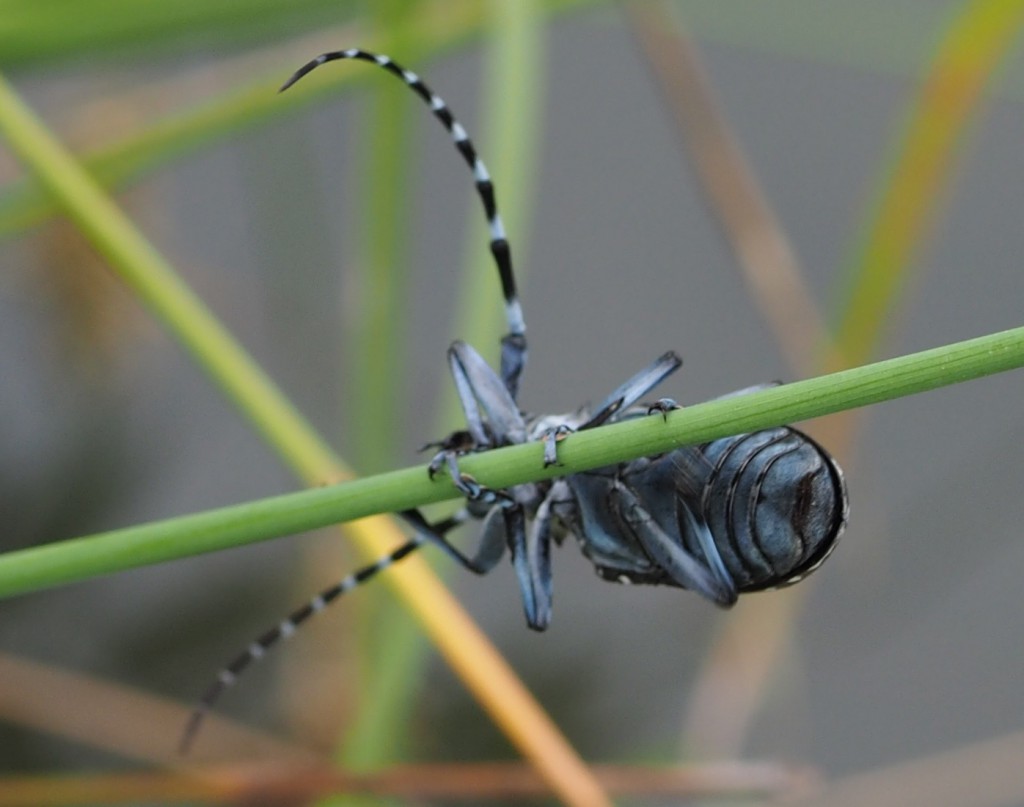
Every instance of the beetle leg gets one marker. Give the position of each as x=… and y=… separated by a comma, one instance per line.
x=531, y=559
x=481, y=393
x=552, y=437
x=492, y=541
x=477, y=382
x=663, y=405
x=667, y=551
x=634, y=389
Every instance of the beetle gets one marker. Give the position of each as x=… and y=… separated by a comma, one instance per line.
x=735, y=515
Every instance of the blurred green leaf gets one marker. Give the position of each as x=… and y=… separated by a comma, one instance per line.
x=50, y=31
x=915, y=181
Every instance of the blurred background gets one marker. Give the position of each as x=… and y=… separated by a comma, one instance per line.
x=740, y=183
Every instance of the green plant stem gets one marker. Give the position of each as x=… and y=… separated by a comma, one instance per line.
x=79, y=559
x=389, y=645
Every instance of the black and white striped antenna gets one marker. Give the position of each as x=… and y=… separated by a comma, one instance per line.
x=284, y=629
x=513, y=360
x=513, y=356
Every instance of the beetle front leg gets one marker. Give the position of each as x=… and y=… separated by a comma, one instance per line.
x=492, y=419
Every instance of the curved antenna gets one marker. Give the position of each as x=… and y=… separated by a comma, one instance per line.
x=513, y=352
x=434, y=534
x=284, y=629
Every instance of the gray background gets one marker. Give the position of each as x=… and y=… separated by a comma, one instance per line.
x=910, y=639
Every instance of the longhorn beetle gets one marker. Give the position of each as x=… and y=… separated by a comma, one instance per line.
x=735, y=515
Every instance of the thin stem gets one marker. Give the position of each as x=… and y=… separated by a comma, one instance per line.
x=79, y=559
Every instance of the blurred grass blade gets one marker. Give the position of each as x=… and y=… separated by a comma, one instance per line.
x=375, y=326
x=126, y=722
x=30, y=32
x=511, y=111
x=153, y=280
x=730, y=189
x=26, y=202
x=473, y=782
x=985, y=773
x=429, y=29
x=467, y=650
x=390, y=650
x=915, y=181
x=511, y=120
